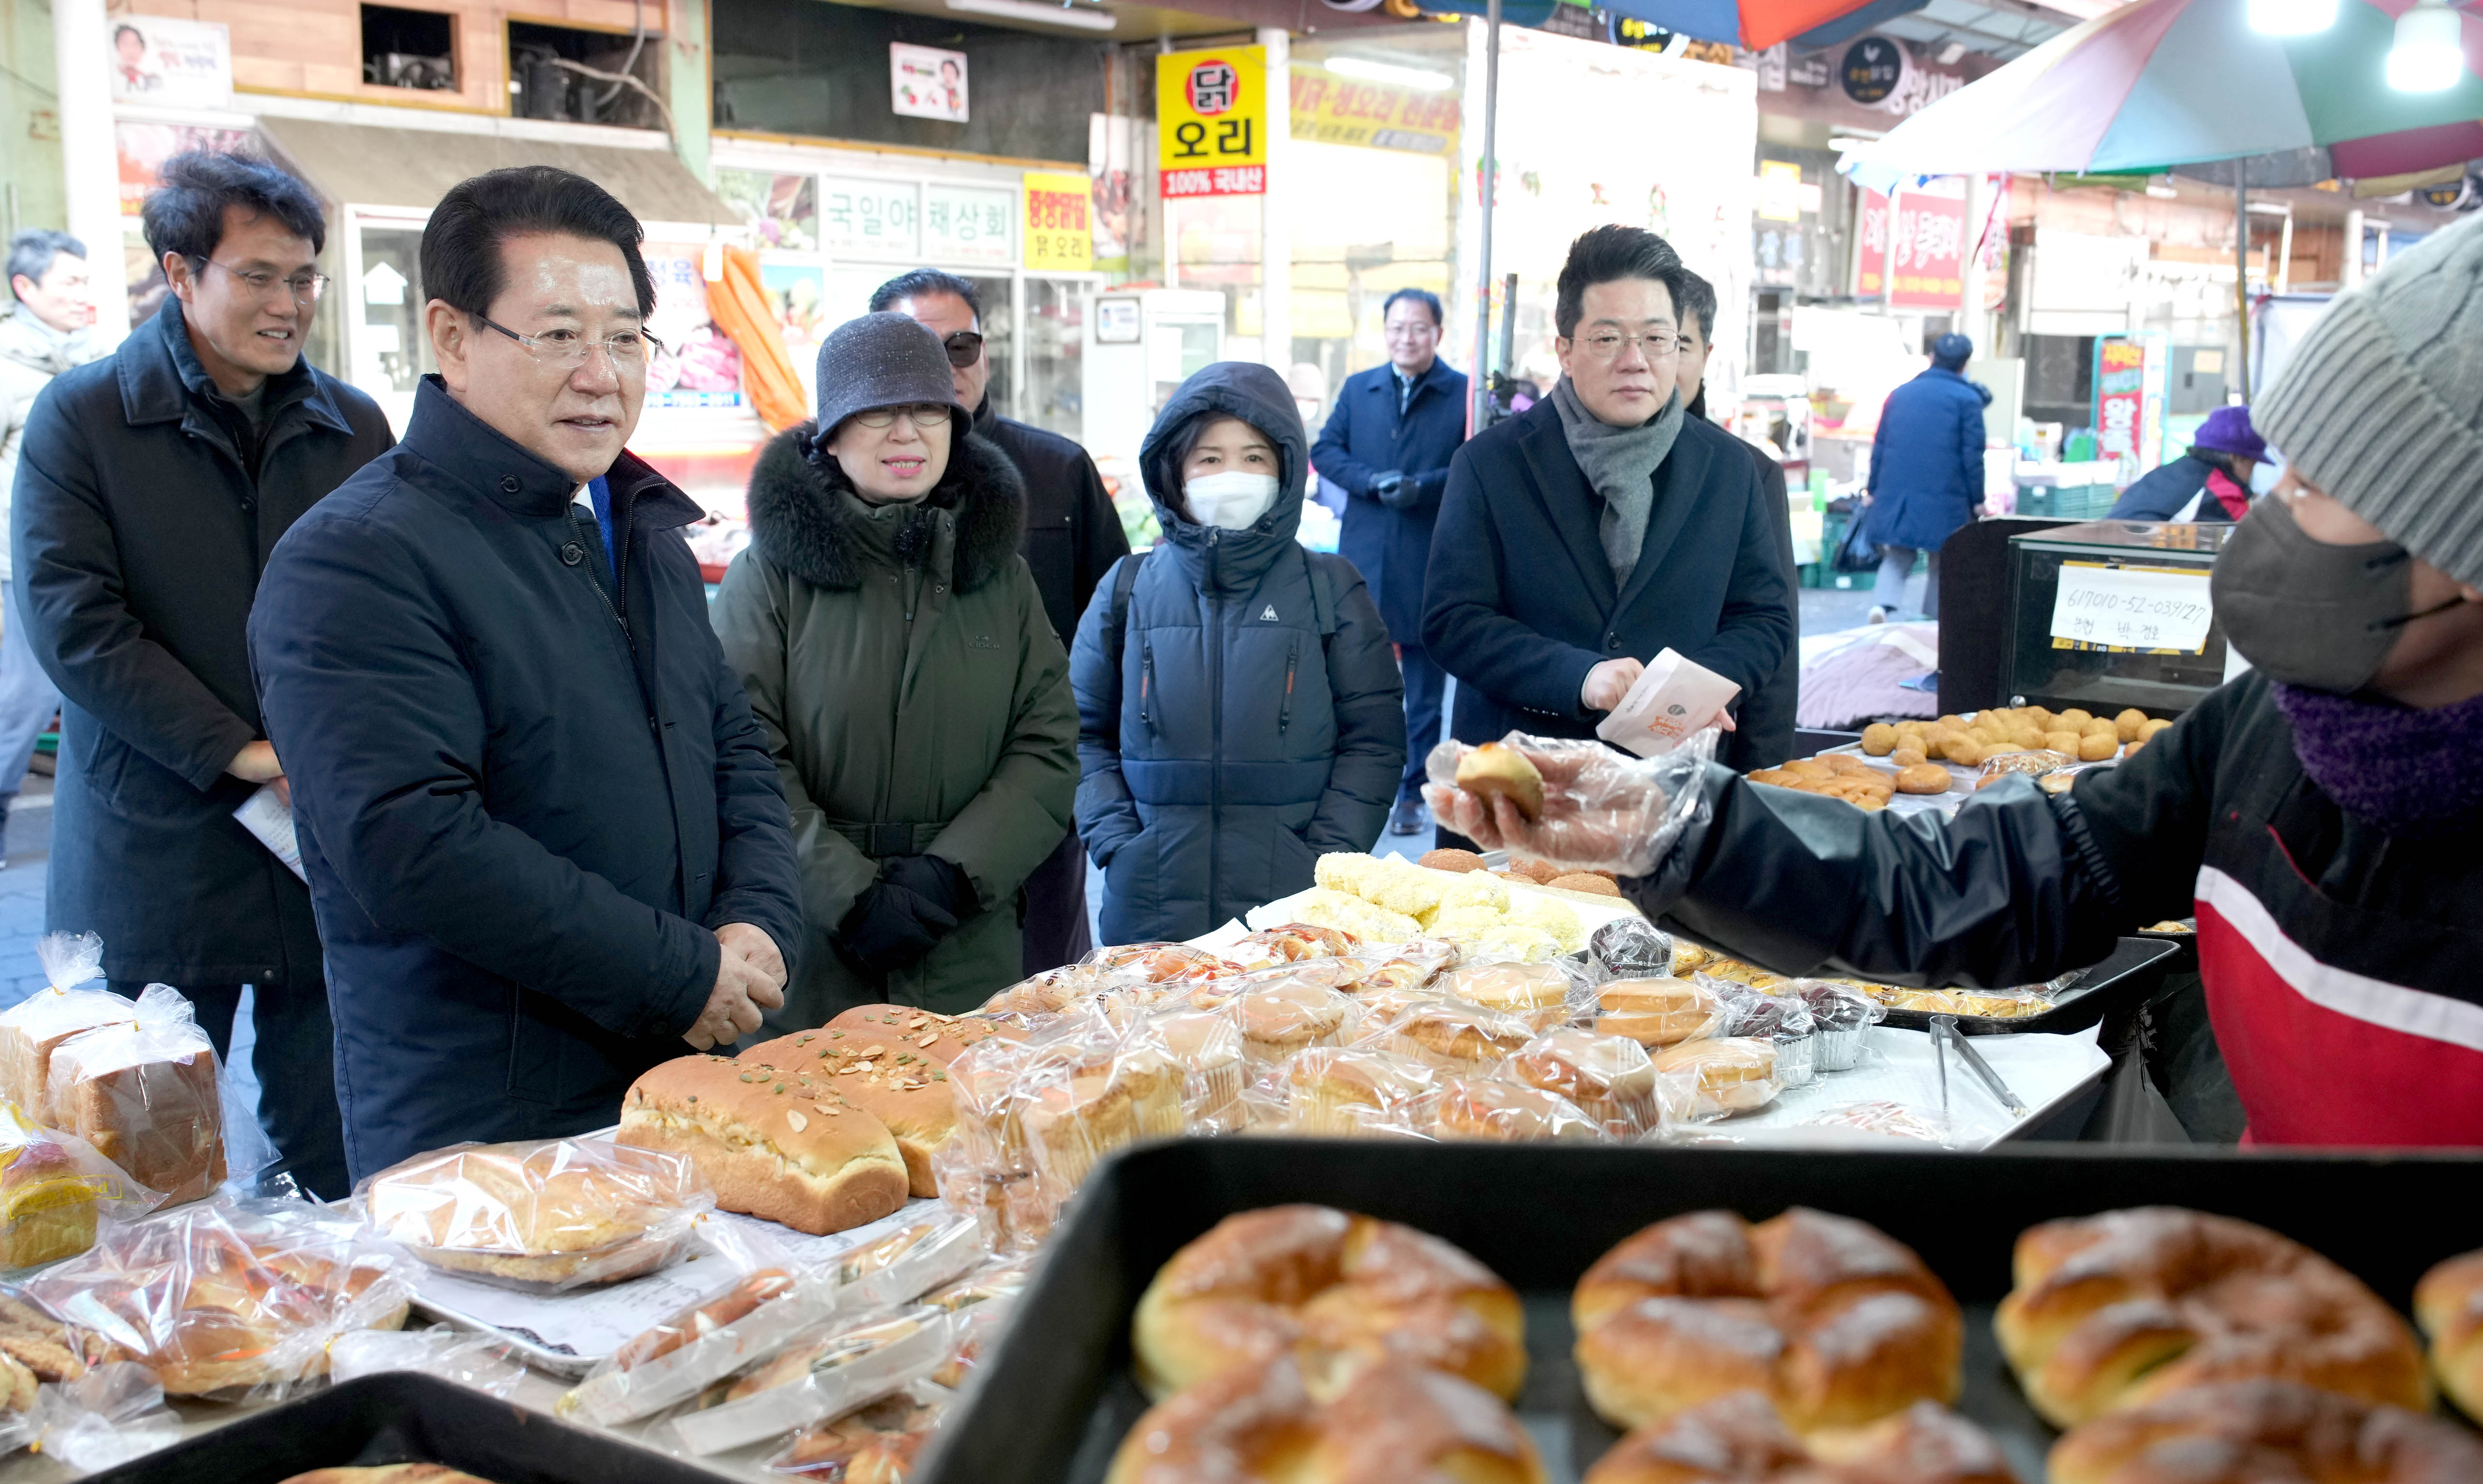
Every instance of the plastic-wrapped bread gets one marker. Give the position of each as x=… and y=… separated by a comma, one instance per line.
x=780, y=1144
x=551, y=1214
x=896, y=1080
x=143, y=1093
x=35, y=1029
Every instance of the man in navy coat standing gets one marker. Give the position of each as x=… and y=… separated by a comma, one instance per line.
x=1926, y=472
x=1388, y=443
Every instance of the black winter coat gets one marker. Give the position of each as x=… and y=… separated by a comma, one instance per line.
x=1366, y=436
x=1254, y=718
x=2162, y=492
x=1521, y=601
x=139, y=532
x=525, y=800
x=2339, y=959
x=1763, y=717
x=1073, y=534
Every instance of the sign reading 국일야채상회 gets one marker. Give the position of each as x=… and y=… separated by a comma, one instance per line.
x=1212, y=122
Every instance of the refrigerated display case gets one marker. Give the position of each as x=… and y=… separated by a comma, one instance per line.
x=2112, y=614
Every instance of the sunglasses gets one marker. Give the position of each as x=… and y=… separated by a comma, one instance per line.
x=964, y=348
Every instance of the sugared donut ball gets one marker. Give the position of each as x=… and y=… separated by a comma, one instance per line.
x=2275, y=1430
x=1282, y=1421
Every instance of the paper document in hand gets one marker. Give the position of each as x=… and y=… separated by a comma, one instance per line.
x=270, y=820
x=1672, y=700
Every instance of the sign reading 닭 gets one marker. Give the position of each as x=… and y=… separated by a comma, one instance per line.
x=1212, y=122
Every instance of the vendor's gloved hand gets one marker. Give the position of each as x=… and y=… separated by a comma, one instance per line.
x=903, y=915
x=1603, y=809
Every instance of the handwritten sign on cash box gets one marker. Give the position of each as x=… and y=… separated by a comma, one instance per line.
x=2158, y=608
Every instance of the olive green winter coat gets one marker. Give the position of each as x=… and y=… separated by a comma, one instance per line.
x=930, y=693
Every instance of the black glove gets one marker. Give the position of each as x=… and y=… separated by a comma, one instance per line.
x=916, y=902
x=1387, y=487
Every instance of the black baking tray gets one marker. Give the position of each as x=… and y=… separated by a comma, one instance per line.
x=400, y=1417
x=2128, y=978
x=1054, y=1400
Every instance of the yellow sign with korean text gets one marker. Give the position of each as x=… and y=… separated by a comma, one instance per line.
x=1212, y=122
x=1059, y=223
x=1330, y=109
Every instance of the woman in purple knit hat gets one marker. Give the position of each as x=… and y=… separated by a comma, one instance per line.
x=2211, y=481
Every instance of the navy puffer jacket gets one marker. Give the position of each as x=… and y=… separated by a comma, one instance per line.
x=1254, y=718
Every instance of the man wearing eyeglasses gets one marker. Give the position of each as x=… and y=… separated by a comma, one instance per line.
x=1073, y=537
x=151, y=486
x=1587, y=534
x=544, y=835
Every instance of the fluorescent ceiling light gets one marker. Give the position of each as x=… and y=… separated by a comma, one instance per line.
x=1419, y=79
x=2292, y=17
x=1039, y=15
x=1951, y=52
x=2430, y=53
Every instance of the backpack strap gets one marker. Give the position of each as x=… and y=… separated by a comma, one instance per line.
x=1322, y=595
x=1116, y=618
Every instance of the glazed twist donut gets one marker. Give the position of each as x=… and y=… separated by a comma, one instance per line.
x=2449, y=1305
x=2123, y=1308
x=1385, y=1423
x=1325, y=1286
x=2248, y=1431
x=1835, y=1322
x=1740, y=1440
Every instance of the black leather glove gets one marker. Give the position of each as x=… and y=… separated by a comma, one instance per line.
x=1388, y=488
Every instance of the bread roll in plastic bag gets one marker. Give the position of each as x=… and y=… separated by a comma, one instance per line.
x=771, y=1300
x=227, y=1298
x=1602, y=810
x=874, y=1444
x=148, y=1094
x=478, y=1361
x=852, y=1361
x=34, y=1027
x=54, y=1189
x=541, y=1216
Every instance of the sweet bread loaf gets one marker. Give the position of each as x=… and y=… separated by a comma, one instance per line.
x=787, y=1147
x=1332, y=1288
x=1537, y=993
x=1385, y=1424
x=1455, y=1036
x=2271, y=1430
x=1509, y=1113
x=1833, y=1321
x=34, y=1029
x=1355, y=1090
x=555, y=1213
x=144, y=1094
x=47, y=1203
x=2121, y=1309
x=1609, y=1078
x=895, y=1080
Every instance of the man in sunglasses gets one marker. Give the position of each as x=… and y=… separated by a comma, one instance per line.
x=1073, y=537
x=151, y=486
x=544, y=835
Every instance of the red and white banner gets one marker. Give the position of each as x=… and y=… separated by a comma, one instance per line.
x=1928, y=256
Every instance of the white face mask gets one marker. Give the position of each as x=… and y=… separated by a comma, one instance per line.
x=1232, y=500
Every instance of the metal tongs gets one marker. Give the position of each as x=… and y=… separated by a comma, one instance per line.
x=1945, y=1037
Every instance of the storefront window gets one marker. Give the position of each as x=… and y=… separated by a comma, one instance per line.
x=392, y=349
x=1000, y=342
x=1055, y=331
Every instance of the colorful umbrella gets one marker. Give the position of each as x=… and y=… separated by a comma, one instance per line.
x=2183, y=81
x=1754, y=24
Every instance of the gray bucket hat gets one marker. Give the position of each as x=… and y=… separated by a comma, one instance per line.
x=881, y=361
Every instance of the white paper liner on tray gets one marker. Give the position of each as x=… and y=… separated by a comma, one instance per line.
x=886, y=1355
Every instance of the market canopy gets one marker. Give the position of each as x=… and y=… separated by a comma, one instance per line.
x=2167, y=83
x=368, y=166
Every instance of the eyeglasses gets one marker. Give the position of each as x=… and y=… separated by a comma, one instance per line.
x=1606, y=345
x=626, y=348
x=964, y=349
x=305, y=287
x=922, y=415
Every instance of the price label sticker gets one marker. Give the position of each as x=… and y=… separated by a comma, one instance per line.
x=2162, y=609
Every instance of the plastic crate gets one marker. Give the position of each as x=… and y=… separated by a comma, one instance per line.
x=2072, y=502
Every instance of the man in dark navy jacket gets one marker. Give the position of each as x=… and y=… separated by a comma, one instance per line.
x=1388, y=444
x=1601, y=526
x=545, y=838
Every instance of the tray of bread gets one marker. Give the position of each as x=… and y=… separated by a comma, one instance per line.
x=1553, y=1315
x=1519, y=909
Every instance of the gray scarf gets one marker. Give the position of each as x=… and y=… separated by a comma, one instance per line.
x=1620, y=463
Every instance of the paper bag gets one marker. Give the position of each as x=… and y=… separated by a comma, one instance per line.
x=1672, y=700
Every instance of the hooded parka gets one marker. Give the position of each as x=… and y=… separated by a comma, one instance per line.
x=1252, y=719
x=915, y=700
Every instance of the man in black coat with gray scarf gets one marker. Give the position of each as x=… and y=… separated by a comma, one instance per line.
x=1582, y=538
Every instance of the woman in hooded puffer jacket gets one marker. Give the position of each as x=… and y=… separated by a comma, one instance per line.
x=1239, y=710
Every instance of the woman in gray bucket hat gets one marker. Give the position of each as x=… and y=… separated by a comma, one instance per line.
x=896, y=648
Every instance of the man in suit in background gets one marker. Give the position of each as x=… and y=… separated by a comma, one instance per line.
x=1388, y=444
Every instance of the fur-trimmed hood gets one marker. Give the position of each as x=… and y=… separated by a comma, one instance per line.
x=799, y=523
